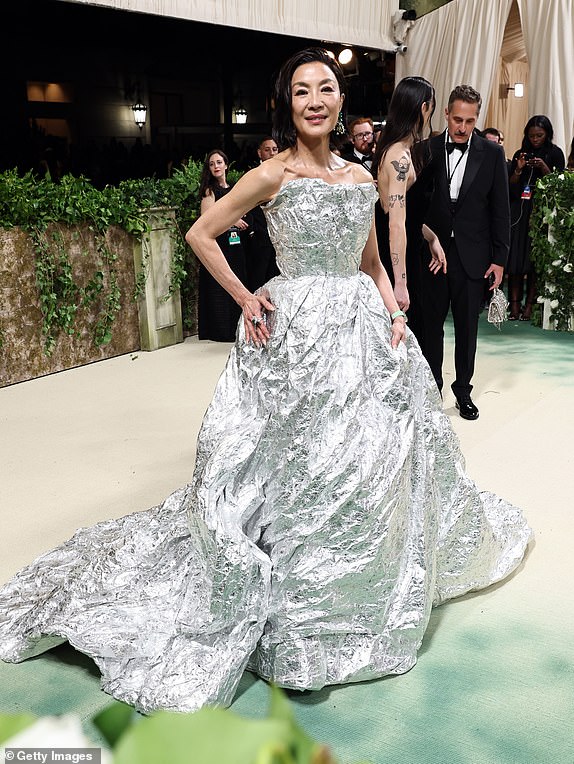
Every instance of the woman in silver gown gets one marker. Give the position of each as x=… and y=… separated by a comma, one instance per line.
x=329, y=508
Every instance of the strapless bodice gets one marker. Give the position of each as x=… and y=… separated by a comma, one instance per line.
x=318, y=228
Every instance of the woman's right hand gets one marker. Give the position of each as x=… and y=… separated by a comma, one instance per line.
x=256, y=306
x=521, y=162
x=241, y=224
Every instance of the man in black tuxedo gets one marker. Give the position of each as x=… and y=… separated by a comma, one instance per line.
x=362, y=138
x=469, y=212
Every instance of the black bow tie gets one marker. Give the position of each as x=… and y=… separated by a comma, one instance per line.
x=450, y=147
x=365, y=159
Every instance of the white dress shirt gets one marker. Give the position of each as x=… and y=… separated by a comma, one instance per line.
x=455, y=167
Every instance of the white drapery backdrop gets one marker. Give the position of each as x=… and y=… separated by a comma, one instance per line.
x=461, y=43
x=548, y=30
x=359, y=22
x=505, y=111
x=458, y=44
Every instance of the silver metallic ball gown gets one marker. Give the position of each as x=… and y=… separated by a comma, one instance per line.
x=328, y=510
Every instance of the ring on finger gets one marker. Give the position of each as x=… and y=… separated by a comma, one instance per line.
x=256, y=320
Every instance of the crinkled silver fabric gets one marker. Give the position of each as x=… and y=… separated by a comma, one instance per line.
x=328, y=510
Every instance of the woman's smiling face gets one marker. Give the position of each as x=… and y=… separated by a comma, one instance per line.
x=315, y=99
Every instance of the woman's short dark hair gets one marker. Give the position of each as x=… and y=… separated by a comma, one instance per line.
x=405, y=120
x=208, y=182
x=284, y=132
x=538, y=120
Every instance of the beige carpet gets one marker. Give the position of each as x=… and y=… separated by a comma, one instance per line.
x=495, y=678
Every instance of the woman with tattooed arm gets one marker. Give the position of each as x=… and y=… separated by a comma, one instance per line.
x=398, y=159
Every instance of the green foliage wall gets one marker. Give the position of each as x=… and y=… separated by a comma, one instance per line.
x=66, y=267
x=23, y=350
x=552, y=236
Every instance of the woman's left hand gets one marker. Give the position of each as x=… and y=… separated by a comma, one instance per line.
x=438, y=258
x=398, y=331
x=254, y=309
x=540, y=165
x=241, y=224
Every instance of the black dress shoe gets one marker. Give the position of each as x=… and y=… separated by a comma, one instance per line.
x=466, y=407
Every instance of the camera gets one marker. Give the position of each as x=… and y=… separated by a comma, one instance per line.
x=401, y=49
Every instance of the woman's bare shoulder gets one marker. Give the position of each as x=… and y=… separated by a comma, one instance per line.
x=359, y=173
x=264, y=181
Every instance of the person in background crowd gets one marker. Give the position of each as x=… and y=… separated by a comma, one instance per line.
x=218, y=313
x=260, y=254
x=570, y=165
x=362, y=136
x=492, y=134
x=537, y=157
x=267, y=148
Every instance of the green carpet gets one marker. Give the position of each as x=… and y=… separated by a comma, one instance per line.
x=494, y=683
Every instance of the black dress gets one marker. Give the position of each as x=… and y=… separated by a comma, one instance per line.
x=218, y=313
x=417, y=252
x=519, y=262
x=260, y=253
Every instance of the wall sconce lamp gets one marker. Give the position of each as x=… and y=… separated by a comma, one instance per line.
x=140, y=114
x=240, y=115
x=518, y=89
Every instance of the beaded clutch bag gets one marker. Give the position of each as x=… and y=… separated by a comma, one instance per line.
x=497, y=308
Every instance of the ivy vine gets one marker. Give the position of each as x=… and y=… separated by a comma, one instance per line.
x=552, y=251
x=43, y=208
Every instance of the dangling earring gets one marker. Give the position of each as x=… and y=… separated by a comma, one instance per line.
x=340, y=127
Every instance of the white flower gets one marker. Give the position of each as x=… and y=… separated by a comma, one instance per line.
x=556, y=263
x=54, y=732
x=568, y=268
x=554, y=304
x=541, y=299
x=561, y=176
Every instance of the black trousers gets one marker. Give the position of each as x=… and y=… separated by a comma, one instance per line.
x=463, y=295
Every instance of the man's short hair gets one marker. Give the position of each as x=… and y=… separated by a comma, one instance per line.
x=492, y=131
x=465, y=93
x=359, y=121
x=264, y=140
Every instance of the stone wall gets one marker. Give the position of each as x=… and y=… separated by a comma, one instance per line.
x=22, y=353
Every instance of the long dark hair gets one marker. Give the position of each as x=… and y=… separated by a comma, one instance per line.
x=405, y=119
x=208, y=182
x=284, y=133
x=538, y=120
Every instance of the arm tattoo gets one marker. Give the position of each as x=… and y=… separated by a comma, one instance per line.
x=394, y=198
x=402, y=167
x=394, y=258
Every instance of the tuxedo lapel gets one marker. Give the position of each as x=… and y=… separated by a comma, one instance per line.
x=475, y=156
x=439, y=157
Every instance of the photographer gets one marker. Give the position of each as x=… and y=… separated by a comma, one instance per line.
x=537, y=157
